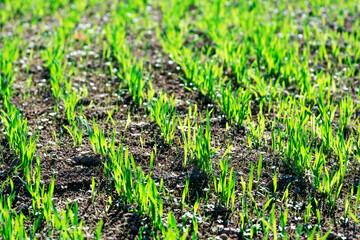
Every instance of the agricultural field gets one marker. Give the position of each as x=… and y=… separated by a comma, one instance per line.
x=179, y=119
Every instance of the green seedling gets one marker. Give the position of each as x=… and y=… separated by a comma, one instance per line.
x=76, y=132
x=17, y=134
x=11, y=223
x=162, y=110
x=71, y=101
x=185, y=194
x=225, y=185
